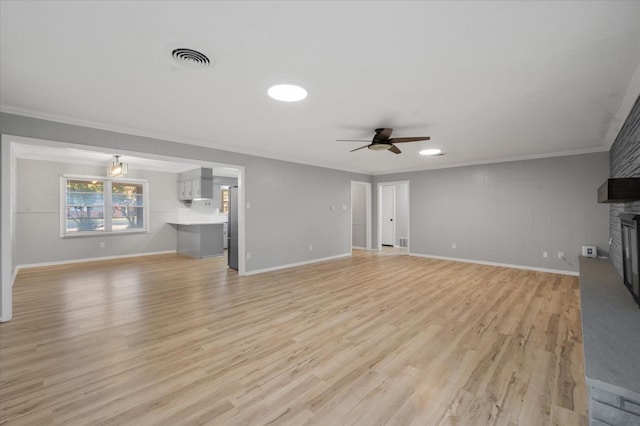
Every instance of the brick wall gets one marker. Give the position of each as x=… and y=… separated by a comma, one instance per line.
x=624, y=161
x=609, y=409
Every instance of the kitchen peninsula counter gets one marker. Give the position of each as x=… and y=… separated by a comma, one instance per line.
x=200, y=238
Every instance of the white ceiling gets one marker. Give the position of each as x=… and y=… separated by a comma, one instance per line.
x=488, y=81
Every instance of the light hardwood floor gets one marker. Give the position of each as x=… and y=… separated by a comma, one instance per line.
x=371, y=339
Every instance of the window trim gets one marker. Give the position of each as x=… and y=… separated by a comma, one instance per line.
x=108, y=181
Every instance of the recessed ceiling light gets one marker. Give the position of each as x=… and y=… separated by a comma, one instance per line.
x=287, y=93
x=432, y=151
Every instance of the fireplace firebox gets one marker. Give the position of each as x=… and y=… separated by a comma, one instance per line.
x=631, y=252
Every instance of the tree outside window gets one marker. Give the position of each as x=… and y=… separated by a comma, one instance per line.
x=103, y=205
x=84, y=206
x=127, y=206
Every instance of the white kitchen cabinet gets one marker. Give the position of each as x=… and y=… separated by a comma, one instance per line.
x=188, y=188
x=182, y=190
x=185, y=190
x=195, y=184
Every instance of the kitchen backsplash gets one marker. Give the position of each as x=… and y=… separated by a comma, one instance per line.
x=199, y=210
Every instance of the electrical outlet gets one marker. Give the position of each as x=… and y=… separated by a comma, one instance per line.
x=248, y=255
x=560, y=255
x=453, y=245
x=545, y=254
x=310, y=247
x=102, y=244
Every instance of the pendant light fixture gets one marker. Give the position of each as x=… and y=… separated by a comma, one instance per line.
x=116, y=167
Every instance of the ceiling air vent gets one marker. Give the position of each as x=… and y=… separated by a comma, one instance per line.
x=191, y=58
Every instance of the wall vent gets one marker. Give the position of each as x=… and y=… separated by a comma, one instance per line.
x=404, y=242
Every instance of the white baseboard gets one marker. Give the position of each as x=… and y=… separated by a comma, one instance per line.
x=91, y=259
x=293, y=265
x=364, y=248
x=503, y=265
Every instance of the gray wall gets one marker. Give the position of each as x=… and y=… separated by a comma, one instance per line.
x=624, y=161
x=358, y=215
x=509, y=212
x=290, y=203
x=38, y=216
x=294, y=206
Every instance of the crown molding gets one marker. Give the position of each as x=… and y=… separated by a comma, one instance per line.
x=501, y=160
x=617, y=124
x=166, y=137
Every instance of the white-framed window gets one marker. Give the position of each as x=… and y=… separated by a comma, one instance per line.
x=96, y=205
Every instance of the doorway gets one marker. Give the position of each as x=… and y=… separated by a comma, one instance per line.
x=393, y=216
x=388, y=216
x=90, y=155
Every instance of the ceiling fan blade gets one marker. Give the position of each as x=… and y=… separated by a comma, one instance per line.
x=382, y=135
x=359, y=148
x=414, y=139
x=352, y=140
x=394, y=149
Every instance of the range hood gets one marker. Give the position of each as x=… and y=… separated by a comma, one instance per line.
x=619, y=190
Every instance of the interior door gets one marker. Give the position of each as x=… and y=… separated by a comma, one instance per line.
x=388, y=215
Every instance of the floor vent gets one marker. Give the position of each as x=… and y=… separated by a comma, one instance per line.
x=404, y=242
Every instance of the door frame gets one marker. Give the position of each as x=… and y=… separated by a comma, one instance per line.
x=391, y=190
x=369, y=208
x=379, y=212
x=7, y=272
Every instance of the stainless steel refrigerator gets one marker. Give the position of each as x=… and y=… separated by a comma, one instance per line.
x=232, y=229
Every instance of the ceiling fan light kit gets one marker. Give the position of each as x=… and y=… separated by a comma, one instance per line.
x=379, y=147
x=382, y=141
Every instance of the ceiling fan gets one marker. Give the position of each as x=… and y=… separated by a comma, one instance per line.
x=383, y=141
